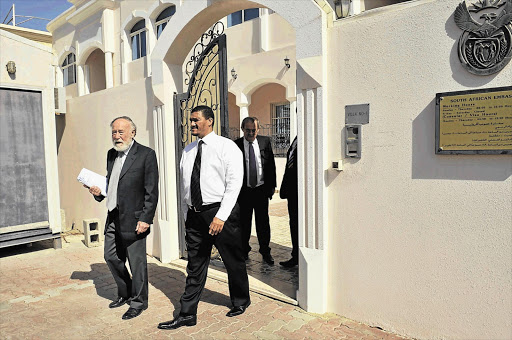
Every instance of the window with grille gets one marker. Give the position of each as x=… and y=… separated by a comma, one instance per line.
x=69, y=70
x=138, y=39
x=280, y=128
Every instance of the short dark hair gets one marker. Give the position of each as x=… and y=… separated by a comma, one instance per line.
x=134, y=127
x=253, y=120
x=206, y=111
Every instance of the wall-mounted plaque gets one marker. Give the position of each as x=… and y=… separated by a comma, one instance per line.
x=357, y=114
x=474, y=122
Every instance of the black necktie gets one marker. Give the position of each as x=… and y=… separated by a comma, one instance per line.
x=252, y=167
x=195, y=181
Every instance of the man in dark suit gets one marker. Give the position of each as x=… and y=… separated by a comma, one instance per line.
x=289, y=191
x=132, y=196
x=258, y=187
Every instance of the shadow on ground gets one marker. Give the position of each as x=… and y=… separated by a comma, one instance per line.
x=169, y=281
x=284, y=280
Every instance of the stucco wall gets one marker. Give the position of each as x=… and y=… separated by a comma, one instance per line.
x=244, y=39
x=420, y=244
x=34, y=72
x=233, y=112
x=86, y=138
x=33, y=61
x=262, y=99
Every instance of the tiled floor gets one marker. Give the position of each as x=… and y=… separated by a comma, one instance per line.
x=276, y=277
x=64, y=294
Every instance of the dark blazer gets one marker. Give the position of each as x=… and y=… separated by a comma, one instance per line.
x=289, y=184
x=267, y=161
x=137, y=191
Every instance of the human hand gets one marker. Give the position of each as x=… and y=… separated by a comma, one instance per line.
x=96, y=191
x=141, y=227
x=216, y=226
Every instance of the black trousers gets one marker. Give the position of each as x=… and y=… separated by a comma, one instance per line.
x=199, y=247
x=293, y=213
x=116, y=252
x=255, y=199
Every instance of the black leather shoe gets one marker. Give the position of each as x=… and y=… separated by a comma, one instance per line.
x=238, y=310
x=132, y=313
x=268, y=259
x=179, y=321
x=290, y=263
x=118, y=302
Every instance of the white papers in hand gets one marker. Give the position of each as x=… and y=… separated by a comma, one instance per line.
x=91, y=178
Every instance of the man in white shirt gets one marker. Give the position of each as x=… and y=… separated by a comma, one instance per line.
x=211, y=171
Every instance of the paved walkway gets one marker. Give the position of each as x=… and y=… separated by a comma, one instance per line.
x=275, y=281
x=64, y=294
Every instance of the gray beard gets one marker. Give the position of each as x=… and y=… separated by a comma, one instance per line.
x=121, y=148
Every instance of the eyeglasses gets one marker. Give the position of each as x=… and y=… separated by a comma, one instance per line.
x=250, y=130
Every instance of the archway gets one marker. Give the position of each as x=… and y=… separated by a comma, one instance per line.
x=95, y=72
x=167, y=77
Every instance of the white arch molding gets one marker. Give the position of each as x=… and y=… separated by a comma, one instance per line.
x=126, y=55
x=58, y=69
x=167, y=58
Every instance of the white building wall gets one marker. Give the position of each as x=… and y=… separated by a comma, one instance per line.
x=421, y=244
x=34, y=72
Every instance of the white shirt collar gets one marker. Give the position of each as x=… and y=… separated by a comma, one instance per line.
x=206, y=139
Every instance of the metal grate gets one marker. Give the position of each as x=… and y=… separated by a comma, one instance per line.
x=280, y=128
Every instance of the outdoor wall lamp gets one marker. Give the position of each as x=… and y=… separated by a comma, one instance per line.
x=342, y=8
x=11, y=67
x=233, y=73
x=287, y=62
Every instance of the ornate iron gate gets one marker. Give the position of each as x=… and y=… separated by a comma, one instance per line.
x=206, y=77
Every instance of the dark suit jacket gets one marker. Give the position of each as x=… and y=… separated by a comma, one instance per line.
x=137, y=191
x=289, y=184
x=267, y=161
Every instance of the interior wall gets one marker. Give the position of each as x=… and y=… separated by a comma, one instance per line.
x=420, y=243
x=233, y=112
x=261, y=100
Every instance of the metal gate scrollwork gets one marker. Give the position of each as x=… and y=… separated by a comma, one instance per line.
x=206, y=81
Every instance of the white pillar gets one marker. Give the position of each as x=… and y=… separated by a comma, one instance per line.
x=293, y=118
x=125, y=53
x=356, y=7
x=244, y=112
x=109, y=73
x=87, y=79
x=264, y=30
x=150, y=44
x=59, y=76
x=312, y=293
x=80, y=79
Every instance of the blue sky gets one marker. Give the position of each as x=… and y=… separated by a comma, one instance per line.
x=48, y=9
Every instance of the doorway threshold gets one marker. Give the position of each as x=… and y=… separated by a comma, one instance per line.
x=217, y=272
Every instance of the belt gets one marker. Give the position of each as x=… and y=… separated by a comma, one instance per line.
x=204, y=207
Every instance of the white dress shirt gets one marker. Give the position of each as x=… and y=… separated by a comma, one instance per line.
x=257, y=154
x=222, y=173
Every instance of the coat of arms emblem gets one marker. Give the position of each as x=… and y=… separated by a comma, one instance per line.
x=485, y=46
